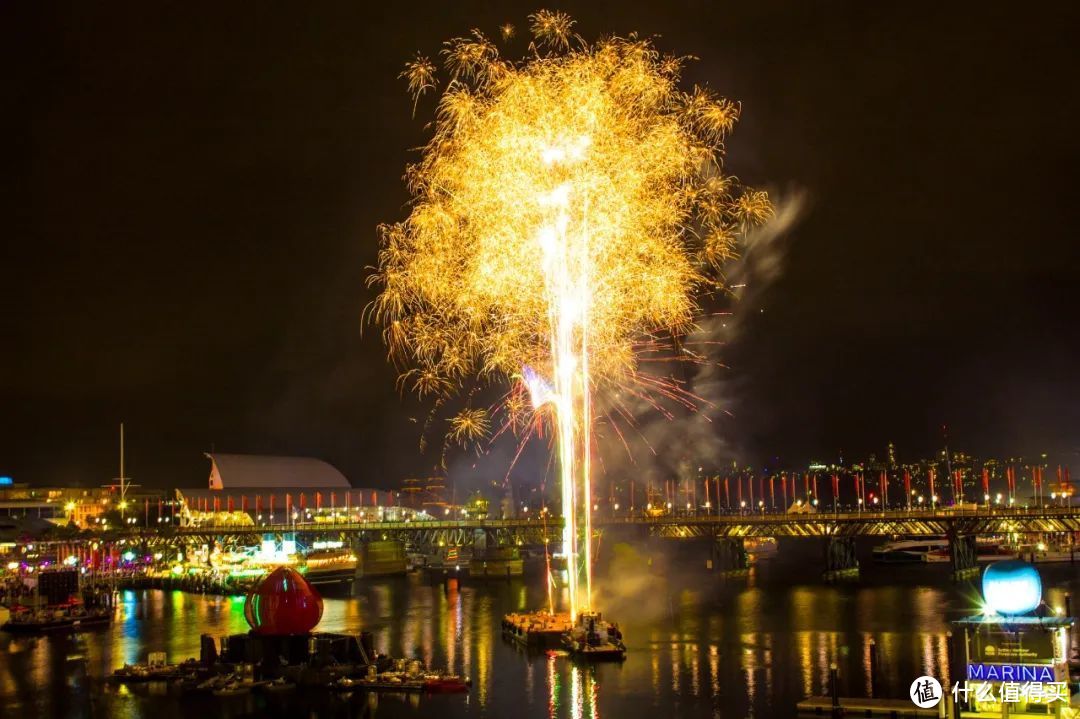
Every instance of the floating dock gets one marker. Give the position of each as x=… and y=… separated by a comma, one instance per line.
x=854, y=706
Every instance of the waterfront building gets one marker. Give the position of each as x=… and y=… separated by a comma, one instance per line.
x=260, y=489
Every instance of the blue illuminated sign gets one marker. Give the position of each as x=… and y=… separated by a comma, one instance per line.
x=6, y=481
x=1011, y=672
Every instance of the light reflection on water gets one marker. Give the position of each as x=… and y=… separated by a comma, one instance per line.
x=710, y=648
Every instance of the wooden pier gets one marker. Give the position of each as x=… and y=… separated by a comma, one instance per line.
x=856, y=707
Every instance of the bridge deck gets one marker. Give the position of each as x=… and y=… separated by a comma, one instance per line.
x=817, y=524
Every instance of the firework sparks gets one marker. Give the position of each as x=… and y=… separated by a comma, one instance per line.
x=420, y=74
x=568, y=206
x=469, y=426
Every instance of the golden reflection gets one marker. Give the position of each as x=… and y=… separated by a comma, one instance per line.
x=674, y=662
x=714, y=669
x=655, y=664
x=943, y=659
x=749, y=664
x=483, y=636
x=802, y=644
x=868, y=687
x=575, y=693
x=553, y=687
x=695, y=668
x=584, y=693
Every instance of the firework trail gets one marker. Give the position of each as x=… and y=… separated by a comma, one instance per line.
x=569, y=209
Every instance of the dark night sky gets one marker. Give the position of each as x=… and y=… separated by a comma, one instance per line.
x=191, y=192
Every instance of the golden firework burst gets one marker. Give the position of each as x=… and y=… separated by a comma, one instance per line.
x=568, y=205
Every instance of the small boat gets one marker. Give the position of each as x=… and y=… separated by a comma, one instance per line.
x=446, y=683
x=758, y=548
x=278, y=686
x=232, y=688
x=986, y=550
x=60, y=602
x=25, y=620
x=344, y=684
x=1043, y=552
x=593, y=639
x=215, y=683
x=155, y=669
x=909, y=550
x=330, y=566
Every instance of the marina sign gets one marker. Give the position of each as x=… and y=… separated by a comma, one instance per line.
x=1011, y=672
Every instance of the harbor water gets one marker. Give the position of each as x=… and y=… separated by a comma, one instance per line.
x=698, y=645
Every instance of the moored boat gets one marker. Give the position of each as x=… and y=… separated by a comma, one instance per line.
x=446, y=683
x=59, y=603
x=1045, y=552
x=593, y=639
x=331, y=566
x=74, y=617
x=909, y=550
x=155, y=669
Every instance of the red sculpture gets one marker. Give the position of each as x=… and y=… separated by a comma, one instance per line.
x=283, y=603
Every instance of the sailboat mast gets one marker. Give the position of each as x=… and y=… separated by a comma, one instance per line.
x=123, y=484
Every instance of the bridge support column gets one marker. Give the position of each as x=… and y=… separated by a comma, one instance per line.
x=381, y=557
x=841, y=561
x=964, y=555
x=729, y=557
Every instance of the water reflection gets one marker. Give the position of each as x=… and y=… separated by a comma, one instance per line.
x=711, y=648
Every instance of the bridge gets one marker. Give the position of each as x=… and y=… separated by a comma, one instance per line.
x=533, y=530
x=727, y=531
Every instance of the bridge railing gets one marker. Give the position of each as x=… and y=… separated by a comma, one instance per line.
x=554, y=522
x=375, y=526
x=745, y=516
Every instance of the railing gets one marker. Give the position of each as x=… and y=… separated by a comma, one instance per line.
x=735, y=517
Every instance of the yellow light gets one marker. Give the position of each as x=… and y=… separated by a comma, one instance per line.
x=69, y=507
x=568, y=208
x=123, y=504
